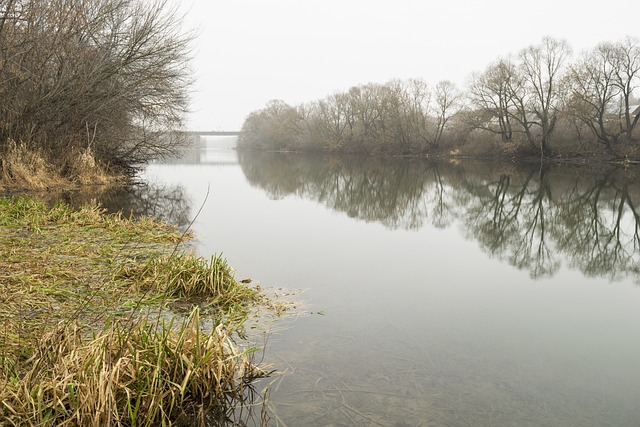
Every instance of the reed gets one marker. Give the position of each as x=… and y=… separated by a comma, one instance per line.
x=190, y=277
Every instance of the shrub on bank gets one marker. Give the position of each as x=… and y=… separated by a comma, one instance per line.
x=90, y=87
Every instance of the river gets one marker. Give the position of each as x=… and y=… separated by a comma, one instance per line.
x=447, y=294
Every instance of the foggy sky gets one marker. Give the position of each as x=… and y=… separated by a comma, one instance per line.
x=251, y=51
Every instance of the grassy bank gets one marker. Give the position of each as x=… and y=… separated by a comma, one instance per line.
x=102, y=322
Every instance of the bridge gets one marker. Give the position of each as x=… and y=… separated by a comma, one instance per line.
x=212, y=133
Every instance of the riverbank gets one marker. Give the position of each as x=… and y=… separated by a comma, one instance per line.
x=109, y=320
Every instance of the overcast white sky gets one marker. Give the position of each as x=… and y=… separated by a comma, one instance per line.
x=252, y=51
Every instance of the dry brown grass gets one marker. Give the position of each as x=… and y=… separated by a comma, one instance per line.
x=22, y=167
x=85, y=169
x=146, y=374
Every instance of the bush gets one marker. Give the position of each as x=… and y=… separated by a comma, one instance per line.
x=99, y=77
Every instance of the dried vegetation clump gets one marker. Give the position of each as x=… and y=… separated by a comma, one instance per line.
x=22, y=167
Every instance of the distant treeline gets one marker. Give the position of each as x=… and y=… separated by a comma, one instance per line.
x=541, y=102
x=90, y=79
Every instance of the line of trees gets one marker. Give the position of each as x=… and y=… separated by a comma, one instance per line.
x=105, y=77
x=400, y=116
x=536, y=100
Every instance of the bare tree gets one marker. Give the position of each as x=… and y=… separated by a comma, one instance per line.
x=490, y=97
x=276, y=127
x=363, y=101
x=411, y=102
x=335, y=119
x=542, y=67
x=595, y=94
x=445, y=105
x=626, y=66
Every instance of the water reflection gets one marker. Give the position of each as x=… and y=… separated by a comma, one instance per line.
x=533, y=217
x=399, y=193
x=169, y=203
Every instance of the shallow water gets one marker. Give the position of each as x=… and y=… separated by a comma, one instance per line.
x=433, y=294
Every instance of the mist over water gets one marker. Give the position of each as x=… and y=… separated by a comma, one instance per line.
x=434, y=293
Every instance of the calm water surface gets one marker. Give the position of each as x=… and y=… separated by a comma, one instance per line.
x=434, y=294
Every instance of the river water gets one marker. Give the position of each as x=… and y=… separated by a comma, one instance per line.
x=445, y=294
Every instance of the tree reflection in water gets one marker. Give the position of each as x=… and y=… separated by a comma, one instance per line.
x=533, y=216
x=167, y=203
